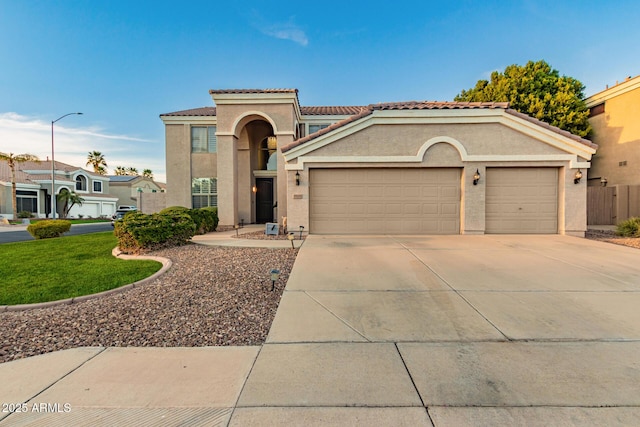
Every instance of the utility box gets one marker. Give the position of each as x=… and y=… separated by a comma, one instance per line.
x=272, y=228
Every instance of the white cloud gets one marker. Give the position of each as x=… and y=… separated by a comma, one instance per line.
x=280, y=30
x=22, y=134
x=288, y=31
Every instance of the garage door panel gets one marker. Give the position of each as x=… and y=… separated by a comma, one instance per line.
x=386, y=200
x=521, y=200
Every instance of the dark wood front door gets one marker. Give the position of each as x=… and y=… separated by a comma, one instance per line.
x=264, y=200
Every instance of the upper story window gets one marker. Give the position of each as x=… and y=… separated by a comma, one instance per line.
x=203, y=139
x=97, y=186
x=81, y=183
x=316, y=128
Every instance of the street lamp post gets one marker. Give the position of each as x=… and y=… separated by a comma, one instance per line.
x=53, y=168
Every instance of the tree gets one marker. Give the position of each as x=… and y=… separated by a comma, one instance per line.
x=539, y=91
x=13, y=160
x=120, y=170
x=132, y=171
x=147, y=173
x=96, y=159
x=68, y=200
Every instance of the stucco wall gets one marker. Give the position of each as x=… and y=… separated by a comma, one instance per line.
x=477, y=139
x=178, y=162
x=617, y=133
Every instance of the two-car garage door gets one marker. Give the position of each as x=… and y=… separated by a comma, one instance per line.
x=385, y=201
x=427, y=200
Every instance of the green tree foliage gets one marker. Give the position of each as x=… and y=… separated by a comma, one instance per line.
x=120, y=170
x=13, y=160
x=97, y=161
x=539, y=91
x=67, y=200
x=147, y=173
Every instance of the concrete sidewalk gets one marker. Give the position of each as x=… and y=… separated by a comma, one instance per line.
x=385, y=330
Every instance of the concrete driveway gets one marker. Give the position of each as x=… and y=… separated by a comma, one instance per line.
x=387, y=330
x=479, y=330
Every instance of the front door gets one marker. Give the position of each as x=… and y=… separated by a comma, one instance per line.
x=264, y=200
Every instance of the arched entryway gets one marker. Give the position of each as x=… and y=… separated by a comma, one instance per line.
x=257, y=172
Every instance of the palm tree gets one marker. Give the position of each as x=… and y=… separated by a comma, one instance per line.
x=120, y=170
x=68, y=200
x=13, y=159
x=147, y=173
x=96, y=159
x=132, y=171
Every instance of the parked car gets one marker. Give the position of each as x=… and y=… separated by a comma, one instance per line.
x=120, y=213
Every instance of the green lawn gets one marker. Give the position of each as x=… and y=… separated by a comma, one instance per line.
x=65, y=267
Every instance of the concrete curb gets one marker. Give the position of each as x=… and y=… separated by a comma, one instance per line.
x=166, y=264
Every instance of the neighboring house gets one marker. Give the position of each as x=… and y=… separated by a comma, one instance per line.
x=34, y=190
x=408, y=167
x=132, y=190
x=615, y=118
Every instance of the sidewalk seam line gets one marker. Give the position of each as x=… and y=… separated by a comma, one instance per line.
x=341, y=320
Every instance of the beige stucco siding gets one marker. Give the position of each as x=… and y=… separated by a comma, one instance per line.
x=617, y=133
x=178, y=152
x=401, y=140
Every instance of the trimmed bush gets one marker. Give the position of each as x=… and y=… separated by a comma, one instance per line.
x=138, y=232
x=25, y=214
x=211, y=219
x=48, y=229
x=629, y=227
x=205, y=219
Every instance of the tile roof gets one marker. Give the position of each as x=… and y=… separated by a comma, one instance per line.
x=202, y=111
x=552, y=128
x=332, y=110
x=438, y=105
x=435, y=105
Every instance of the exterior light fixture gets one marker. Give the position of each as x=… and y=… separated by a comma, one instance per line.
x=603, y=181
x=236, y=227
x=297, y=178
x=577, y=177
x=275, y=273
x=242, y=223
x=272, y=143
x=290, y=236
x=476, y=177
x=301, y=228
x=254, y=189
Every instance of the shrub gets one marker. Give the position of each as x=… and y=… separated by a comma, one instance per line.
x=211, y=218
x=25, y=214
x=49, y=228
x=629, y=227
x=205, y=219
x=138, y=232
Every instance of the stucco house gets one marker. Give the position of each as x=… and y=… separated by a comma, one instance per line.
x=140, y=191
x=393, y=168
x=33, y=181
x=614, y=115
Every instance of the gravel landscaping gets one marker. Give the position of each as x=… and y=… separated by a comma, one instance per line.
x=210, y=296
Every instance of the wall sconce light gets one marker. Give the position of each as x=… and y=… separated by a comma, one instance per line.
x=274, y=278
x=254, y=189
x=476, y=177
x=297, y=178
x=603, y=181
x=577, y=177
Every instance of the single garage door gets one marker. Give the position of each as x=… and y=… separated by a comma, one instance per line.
x=385, y=201
x=522, y=201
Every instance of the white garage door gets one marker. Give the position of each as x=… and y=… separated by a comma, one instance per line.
x=385, y=201
x=522, y=201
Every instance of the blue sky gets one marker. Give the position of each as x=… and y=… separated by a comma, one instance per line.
x=123, y=63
